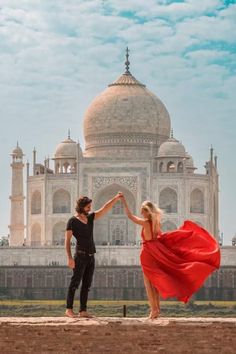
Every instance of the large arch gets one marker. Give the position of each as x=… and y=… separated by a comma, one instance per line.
x=61, y=201
x=168, y=226
x=36, y=235
x=168, y=200
x=36, y=203
x=114, y=228
x=58, y=234
x=197, y=201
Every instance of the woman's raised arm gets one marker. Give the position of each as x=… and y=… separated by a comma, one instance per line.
x=132, y=217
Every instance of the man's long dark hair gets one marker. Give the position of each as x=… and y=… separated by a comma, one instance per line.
x=81, y=204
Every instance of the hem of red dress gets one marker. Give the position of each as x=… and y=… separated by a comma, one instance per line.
x=184, y=298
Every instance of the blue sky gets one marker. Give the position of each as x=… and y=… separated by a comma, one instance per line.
x=57, y=55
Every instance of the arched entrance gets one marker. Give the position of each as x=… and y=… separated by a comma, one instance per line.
x=114, y=228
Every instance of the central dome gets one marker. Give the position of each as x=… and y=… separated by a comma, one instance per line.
x=124, y=120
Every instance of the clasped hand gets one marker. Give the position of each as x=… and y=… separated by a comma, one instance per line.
x=120, y=196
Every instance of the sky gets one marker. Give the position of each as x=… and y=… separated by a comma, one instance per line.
x=57, y=55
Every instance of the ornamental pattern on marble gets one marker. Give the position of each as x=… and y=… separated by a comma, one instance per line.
x=128, y=181
x=134, y=138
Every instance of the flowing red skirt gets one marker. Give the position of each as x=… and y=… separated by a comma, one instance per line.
x=178, y=262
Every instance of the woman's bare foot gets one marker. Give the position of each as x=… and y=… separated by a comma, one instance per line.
x=70, y=313
x=154, y=314
x=85, y=314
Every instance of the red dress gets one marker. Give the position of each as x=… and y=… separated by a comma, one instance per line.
x=178, y=262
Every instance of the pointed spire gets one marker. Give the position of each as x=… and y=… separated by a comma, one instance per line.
x=27, y=167
x=127, y=63
x=215, y=160
x=68, y=133
x=34, y=160
x=211, y=153
x=126, y=78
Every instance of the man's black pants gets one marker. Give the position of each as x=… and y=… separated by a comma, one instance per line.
x=84, y=269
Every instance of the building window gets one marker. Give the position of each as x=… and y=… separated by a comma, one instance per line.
x=36, y=235
x=61, y=202
x=58, y=234
x=118, y=236
x=36, y=203
x=170, y=166
x=168, y=200
x=197, y=201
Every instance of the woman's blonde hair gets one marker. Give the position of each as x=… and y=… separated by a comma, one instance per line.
x=154, y=214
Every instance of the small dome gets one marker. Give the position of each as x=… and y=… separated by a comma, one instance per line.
x=18, y=152
x=171, y=148
x=67, y=149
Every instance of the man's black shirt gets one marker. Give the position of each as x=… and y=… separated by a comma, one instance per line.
x=83, y=233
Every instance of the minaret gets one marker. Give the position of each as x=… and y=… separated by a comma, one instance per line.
x=34, y=161
x=17, y=227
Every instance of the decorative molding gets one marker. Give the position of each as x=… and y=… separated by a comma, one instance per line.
x=128, y=181
x=201, y=187
x=119, y=139
x=170, y=186
x=60, y=186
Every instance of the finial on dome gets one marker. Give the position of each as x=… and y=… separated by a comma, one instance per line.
x=171, y=133
x=127, y=63
x=68, y=133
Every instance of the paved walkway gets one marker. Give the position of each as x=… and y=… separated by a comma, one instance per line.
x=115, y=335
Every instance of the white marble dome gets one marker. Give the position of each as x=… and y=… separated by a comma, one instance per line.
x=125, y=120
x=67, y=149
x=172, y=148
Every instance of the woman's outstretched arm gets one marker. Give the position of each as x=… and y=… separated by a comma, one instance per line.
x=132, y=217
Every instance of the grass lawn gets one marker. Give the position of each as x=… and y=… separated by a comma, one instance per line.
x=115, y=308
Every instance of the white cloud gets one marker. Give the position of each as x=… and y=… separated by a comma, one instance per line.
x=172, y=11
x=209, y=28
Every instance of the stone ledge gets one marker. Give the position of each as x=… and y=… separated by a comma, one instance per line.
x=166, y=335
x=161, y=321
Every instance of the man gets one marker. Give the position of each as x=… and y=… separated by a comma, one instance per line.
x=81, y=227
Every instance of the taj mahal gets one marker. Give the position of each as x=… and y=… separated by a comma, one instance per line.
x=129, y=147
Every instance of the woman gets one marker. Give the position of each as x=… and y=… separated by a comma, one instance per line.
x=175, y=263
